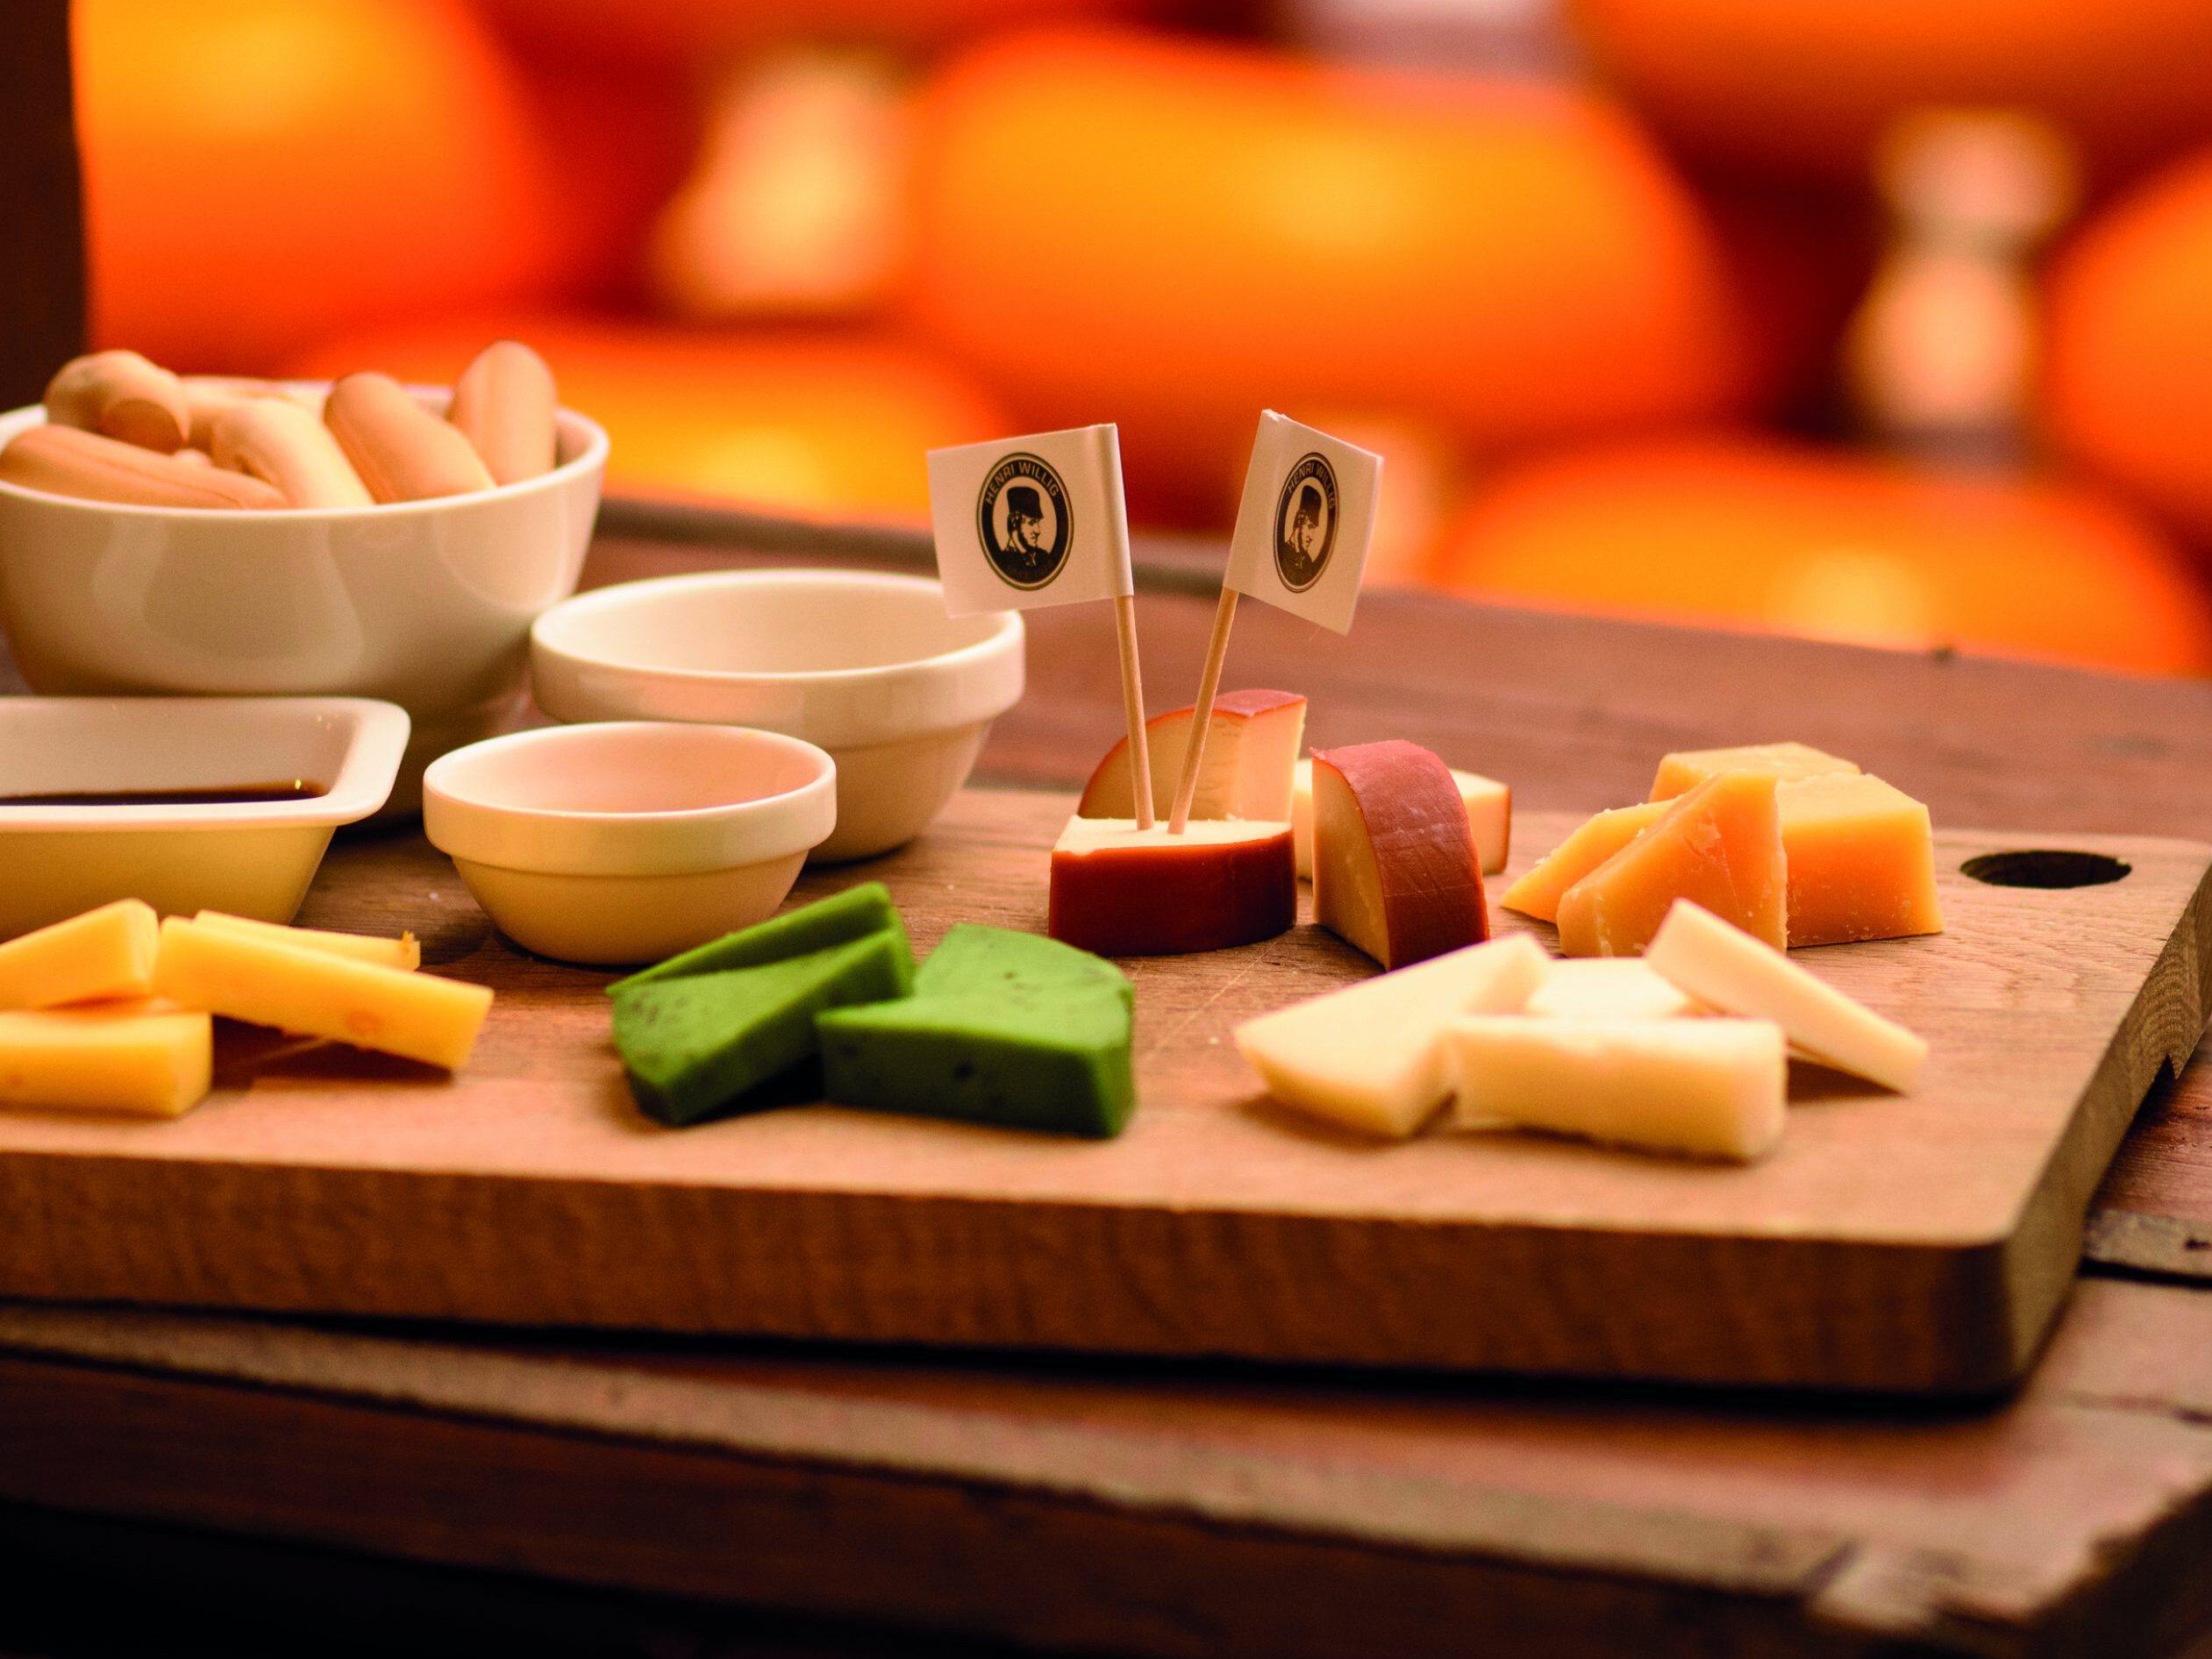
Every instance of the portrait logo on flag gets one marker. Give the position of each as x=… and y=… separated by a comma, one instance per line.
x=1024, y=521
x=1306, y=521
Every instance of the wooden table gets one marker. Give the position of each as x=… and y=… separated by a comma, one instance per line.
x=283, y=1485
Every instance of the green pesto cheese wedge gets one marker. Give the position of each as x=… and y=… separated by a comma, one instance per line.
x=972, y=958
x=852, y=914
x=711, y=1044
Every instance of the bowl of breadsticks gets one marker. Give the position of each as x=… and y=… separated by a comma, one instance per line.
x=164, y=534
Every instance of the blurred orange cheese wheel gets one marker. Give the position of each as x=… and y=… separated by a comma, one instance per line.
x=817, y=423
x=2129, y=352
x=1110, y=225
x=1808, y=85
x=259, y=172
x=1749, y=532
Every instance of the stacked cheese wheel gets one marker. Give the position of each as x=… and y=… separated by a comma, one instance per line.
x=121, y=429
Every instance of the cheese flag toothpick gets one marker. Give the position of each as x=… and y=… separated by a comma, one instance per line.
x=1040, y=520
x=1300, y=544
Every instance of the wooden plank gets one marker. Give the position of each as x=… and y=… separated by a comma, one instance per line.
x=42, y=264
x=1164, y=1510
x=1912, y=1243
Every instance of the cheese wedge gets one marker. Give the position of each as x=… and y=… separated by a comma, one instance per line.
x=1488, y=803
x=1720, y=844
x=1370, y=1057
x=1251, y=745
x=1712, y=1088
x=1394, y=870
x=1727, y=969
x=107, y=952
x=152, y=1059
x=1862, y=860
x=404, y=952
x=1683, y=771
x=1607, y=988
x=1598, y=838
x=418, y=1016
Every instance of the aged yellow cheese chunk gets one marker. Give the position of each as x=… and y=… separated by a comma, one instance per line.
x=1607, y=988
x=1728, y=969
x=1721, y=845
x=1489, y=805
x=1715, y=1088
x=312, y=992
x=1684, y=770
x=150, y=1059
x=1370, y=1056
x=403, y=952
x=107, y=952
x=1862, y=860
x=1537, y=894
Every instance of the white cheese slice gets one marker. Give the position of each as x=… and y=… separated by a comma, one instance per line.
x=1607, y=988
x=1727, y=969
x=1370, y=1056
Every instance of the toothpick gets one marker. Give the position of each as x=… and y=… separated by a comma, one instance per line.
x=1140, y=760
x=1203, y=716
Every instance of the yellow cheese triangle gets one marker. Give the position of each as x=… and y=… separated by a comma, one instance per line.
x=1538, y=892
x=1720, y=846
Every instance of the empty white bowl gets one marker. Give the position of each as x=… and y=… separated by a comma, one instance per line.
x=865, y=664
x=426, y=604
x=629, y=841
x=252, y=858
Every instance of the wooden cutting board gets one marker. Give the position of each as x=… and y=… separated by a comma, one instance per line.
x=1919, y=1243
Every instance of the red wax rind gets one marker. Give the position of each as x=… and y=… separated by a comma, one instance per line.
x=1426, y=895
x=1150, y=893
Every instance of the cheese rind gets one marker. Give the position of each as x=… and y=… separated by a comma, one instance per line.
x=1721, y=845
x=1121, y=891
x=1489, y=805
x=310, y=992
x=1597, y=838
x=1607, y=988
x=1711, y=1088
x=1251, y=745
x=151, y=1059
x=1394, y=864
x=1371, y=1055
x=107, y=952
x=403, y=953
x=1684, y=770
x=1726, y=968
x=1862, y=860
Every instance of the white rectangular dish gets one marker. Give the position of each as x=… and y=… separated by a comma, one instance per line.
x=251, y=858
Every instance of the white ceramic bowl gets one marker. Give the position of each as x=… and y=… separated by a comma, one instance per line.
x=865, y=664
x=629, y=841
x=250, y=859
x=427, y=604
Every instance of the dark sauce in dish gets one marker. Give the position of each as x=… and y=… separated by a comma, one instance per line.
x=239, y=794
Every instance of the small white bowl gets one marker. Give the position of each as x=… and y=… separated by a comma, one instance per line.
x=632, y=840
x=253, y=858
x=865, y=664
x=427, y=604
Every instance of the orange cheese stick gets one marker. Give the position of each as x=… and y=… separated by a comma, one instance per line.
x=503, y=404
x=120, y=395
x=282, y=444
x=63, y=461
x=208, y=397
x=402, y=451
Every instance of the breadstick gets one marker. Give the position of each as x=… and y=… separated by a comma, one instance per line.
x=122, y=396
x=503, y=404
x=208, y=397
x=281, y=444
x=64, y=460
x=402, y=451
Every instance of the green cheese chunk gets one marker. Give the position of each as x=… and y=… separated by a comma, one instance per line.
x=1003, y=1027
x=708, y=1045
x=845, y=916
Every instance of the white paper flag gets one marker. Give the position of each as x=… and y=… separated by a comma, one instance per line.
x=1306, y=520
x=1031, y=521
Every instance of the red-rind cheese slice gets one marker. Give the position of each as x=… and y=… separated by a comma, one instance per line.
x=1124, y=892
x=1251, y=747
x=1395, y=869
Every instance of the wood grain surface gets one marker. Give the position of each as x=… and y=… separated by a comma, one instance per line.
x=1910, y=1242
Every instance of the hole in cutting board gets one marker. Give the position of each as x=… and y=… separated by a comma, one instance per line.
x=2044, y=868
